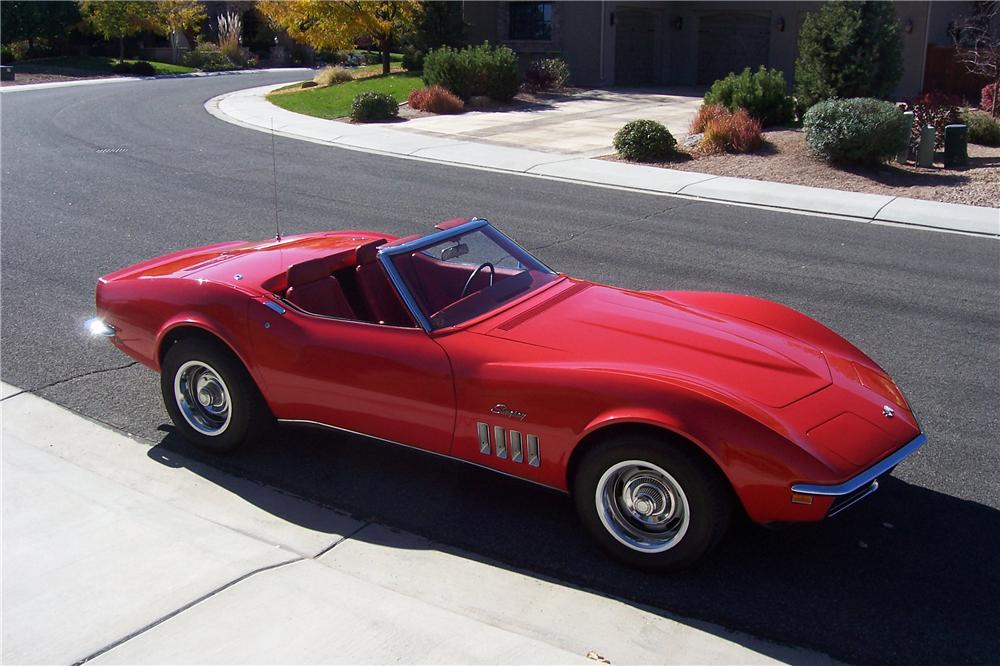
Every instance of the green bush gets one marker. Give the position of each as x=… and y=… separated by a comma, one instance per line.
x=143, y=68
x=862, y=130
x=373, y=105
x=547, y=74
x=762, y=93
x=849, y=49
x=474, y=70
x=209, y=58
x=644, y=141
x=984, y=129
x=413, y=58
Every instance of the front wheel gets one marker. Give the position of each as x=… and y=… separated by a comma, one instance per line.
x=210, y=396
x=651, y=503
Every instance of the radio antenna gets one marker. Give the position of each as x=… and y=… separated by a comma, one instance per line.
x=274, y=171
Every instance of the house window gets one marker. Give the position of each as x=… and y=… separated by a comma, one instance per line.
x=531, y=20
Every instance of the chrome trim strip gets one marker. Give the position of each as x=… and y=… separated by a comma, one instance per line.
x=417, y=448
x=854, y=500
x=484, y=438
x=533, y=458
x=434, y=238
x=397, y=282
x=500, y=440
x=98, y=327
x=865, y=477
x=385, y=255
x=516, y=452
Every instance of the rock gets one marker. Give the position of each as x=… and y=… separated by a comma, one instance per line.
x=692, y=140
x=480, y=102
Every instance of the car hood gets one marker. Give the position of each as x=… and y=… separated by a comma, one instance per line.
x=647, y=333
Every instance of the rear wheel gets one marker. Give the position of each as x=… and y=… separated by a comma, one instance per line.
x=210, y=396
x=651, y=503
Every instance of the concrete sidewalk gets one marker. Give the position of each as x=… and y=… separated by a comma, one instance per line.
x=250, y=108
x=115, y=552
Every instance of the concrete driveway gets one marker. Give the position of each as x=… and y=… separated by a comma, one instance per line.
x=581, y=123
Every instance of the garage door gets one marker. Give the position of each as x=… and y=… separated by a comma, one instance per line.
x=730, y=41
x=635, y=40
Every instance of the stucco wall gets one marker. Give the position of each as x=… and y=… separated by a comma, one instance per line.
x=578, y=28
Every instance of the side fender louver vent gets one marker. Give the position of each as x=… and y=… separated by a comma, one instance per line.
x=508, y=444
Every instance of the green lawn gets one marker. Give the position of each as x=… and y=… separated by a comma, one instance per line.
x=335, y=101
x=88, y=65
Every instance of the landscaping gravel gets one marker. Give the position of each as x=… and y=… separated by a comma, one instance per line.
x=785, y=159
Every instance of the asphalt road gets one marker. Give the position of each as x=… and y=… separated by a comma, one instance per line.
x=908, y=577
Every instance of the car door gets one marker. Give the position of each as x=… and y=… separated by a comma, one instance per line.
x=394, y=383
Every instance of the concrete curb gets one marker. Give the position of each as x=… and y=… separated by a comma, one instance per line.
x=249, y=108
x=127, y=79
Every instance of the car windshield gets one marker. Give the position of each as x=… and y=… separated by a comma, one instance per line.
x=467, y=274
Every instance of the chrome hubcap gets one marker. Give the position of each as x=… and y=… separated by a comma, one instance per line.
x=202, y=397
x=642, y=506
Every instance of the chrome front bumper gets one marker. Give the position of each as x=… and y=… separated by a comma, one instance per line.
x=862, y=485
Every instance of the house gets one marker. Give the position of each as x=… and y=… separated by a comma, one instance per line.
x=695, y=43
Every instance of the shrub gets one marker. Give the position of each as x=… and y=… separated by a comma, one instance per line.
x=372, y=105
x=121, y=68
x=445, y=67
x=435, y=99
x=474, y=70
x=706, y=112
x=143, y=68
x=849, y=49
x=732, y=133
x=935, y=109
x=989, y=98
x=547, y=74
x=761, y=93
x=984, y=129
x=413, y=58
x=331, y=75
x=863, y=130
x=208, y=57
x=644, y=141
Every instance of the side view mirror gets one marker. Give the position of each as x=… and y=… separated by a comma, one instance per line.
x=455, y=251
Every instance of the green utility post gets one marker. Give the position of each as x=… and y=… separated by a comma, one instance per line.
x=925, y=150
x=904, y=140
x=956, y=145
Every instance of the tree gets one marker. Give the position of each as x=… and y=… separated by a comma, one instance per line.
x=31, y=21
x=336, y=25
x=322, y=25
x=849, y=49
x=385, y=22
x=977, y=45
x=171, y=17
x=115, y=19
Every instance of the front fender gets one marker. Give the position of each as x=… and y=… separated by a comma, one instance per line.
x=759, y=463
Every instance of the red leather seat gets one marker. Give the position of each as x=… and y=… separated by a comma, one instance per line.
x=312, y=288
x=383, y=303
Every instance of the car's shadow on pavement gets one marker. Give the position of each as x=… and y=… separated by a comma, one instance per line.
x=907, y=577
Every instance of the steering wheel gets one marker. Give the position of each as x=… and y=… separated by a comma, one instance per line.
x=468, y=283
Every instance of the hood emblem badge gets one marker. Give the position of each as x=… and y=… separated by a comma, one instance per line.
x=504, y=410
x=887, y=411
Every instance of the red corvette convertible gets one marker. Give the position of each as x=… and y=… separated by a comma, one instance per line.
x=661, y=412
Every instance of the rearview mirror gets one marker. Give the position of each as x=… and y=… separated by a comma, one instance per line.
x=455, y=251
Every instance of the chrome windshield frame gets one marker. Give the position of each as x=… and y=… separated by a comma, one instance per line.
x=387, y=252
